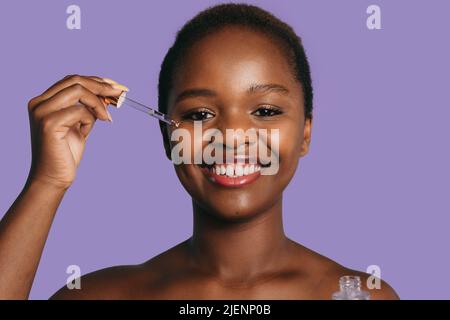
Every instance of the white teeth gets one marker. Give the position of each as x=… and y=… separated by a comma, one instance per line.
x=235, y=170
x=230, y=170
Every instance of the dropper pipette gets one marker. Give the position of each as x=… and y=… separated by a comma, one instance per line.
x=124, y=100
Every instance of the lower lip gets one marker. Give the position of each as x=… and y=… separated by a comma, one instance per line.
x=227, y=181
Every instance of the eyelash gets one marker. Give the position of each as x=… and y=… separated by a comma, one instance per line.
x=205, y=112
x=274, y=110
x=189, y=115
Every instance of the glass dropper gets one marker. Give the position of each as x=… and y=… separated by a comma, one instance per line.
x=124, y=100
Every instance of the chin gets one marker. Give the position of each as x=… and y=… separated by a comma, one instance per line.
x=235, y=206
x=232, y=192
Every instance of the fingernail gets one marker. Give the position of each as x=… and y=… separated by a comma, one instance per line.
x=116, y=85
x=109, y=115
x=119, y=86
x=108, y=80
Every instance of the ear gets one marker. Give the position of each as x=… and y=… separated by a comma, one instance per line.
x=165, y=135
x=306, y=137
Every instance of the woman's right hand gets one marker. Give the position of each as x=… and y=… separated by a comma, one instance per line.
x=61, y=119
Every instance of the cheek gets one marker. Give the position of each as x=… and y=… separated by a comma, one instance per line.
x=185, y=149
x=192, y=180
x=290, y=146
x=290, y=141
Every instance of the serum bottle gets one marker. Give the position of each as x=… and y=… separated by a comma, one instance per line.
x=350, y=289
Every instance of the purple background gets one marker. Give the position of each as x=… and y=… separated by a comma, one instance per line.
x=373, y=190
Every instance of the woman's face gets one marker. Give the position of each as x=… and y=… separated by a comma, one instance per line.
x=239, y=79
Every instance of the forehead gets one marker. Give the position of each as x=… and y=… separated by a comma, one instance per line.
x=231, y=60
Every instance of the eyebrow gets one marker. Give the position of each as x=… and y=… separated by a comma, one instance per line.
x=196, y=92
x=270, y=87
x=254, y=88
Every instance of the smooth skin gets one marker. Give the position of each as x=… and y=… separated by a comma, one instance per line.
x=238, y=249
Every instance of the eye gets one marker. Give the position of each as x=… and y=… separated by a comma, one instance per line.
x=198, y=115
x=267, y=111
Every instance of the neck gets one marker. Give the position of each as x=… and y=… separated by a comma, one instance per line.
x=239, y=250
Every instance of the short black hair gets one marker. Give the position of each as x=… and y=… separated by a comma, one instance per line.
x=220, y=16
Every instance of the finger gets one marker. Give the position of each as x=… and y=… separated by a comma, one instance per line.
x=110, y=81
x=60, y=84
x=107, y=101
x=116, y=84
x=96, y=78
x=63, y=120
x=70, y=96
x=86, y=128
x=101, y=88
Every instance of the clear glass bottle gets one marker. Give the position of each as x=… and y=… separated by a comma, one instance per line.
x=350, y=289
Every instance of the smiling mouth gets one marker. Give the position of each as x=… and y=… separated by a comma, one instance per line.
x=232, y=174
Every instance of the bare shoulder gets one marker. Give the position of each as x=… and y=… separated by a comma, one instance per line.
x=327, y=272
x=111, y=283
x=378, y=288
x=123, y=282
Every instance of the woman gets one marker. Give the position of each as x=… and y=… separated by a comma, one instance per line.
x=233, y=66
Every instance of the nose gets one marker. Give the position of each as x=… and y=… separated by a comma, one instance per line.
x=237, y=130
